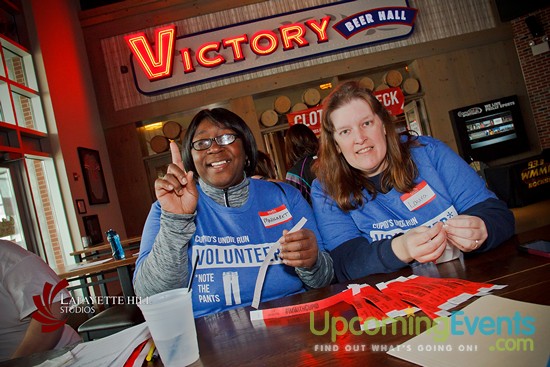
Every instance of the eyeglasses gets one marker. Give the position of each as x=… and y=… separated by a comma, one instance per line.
x=221, y=140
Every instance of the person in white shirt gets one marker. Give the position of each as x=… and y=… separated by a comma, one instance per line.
x=22, y=276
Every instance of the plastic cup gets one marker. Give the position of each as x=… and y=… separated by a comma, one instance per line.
x=169, y=317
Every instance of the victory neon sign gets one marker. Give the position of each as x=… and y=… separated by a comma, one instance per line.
x=163, y=61
x=157, y=63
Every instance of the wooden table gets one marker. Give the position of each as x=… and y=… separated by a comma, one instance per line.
x=95, y=251
x=83, y=271
x=231, y=339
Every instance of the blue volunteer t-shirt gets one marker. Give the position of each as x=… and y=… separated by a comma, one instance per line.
x=445, y=187
x=233, y=242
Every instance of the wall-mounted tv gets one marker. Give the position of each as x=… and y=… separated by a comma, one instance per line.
x=489, y=130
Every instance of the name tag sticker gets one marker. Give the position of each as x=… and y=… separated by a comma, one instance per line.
x=276, y=216
x=421, y=195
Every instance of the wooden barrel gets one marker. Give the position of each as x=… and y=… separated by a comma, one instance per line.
x=381, y=87
x=298, y=107
x=282, y=104
x=411, y=86
x=269, y=118
x=393, y=78
x=171, y=129
x=366, y=83
x=311, y=97
x=159, y=143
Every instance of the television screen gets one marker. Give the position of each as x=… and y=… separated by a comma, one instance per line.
x=489, y=130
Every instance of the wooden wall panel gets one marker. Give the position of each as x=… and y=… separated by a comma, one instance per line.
x=245, y=108
x=466, y=77
x=130, y=178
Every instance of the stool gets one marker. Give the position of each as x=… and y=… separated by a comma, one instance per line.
x=110, y=321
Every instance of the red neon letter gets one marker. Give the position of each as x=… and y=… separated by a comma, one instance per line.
x=319, y=29
x=187, y=61
x=206, y=61
x=293, y=33
x=235, y=44
x=272, y=43
x=159, y=65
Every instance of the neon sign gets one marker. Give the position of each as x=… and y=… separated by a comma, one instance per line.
x=155, y=65
x=262, y=43
x=168, y=62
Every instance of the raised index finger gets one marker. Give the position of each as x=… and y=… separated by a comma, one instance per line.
x=176, y=155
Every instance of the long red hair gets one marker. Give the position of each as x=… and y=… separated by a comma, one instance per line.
x=345, y=183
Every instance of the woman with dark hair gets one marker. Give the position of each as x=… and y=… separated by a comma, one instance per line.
x=208, y=209
x=301, y=145
x=384, y=200
x=265, y=168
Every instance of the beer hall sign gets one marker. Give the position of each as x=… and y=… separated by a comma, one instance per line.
x=168, y=62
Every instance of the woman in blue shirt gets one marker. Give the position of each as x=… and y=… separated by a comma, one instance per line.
x=209, y=209
x=384, y=200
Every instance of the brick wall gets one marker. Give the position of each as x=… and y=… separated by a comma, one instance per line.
x=536, y=71
x=49, y=234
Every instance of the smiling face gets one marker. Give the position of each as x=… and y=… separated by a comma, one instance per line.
x=218, y=166
x=360, y=136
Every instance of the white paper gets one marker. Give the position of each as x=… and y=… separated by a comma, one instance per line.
x=63, y=360
x=113, y=350
x=263, y=268
x=485, y=345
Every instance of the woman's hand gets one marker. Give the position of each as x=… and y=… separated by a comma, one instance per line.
x=466, y=232
x=423, y=244
x=299, y=249
x=177, y=192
